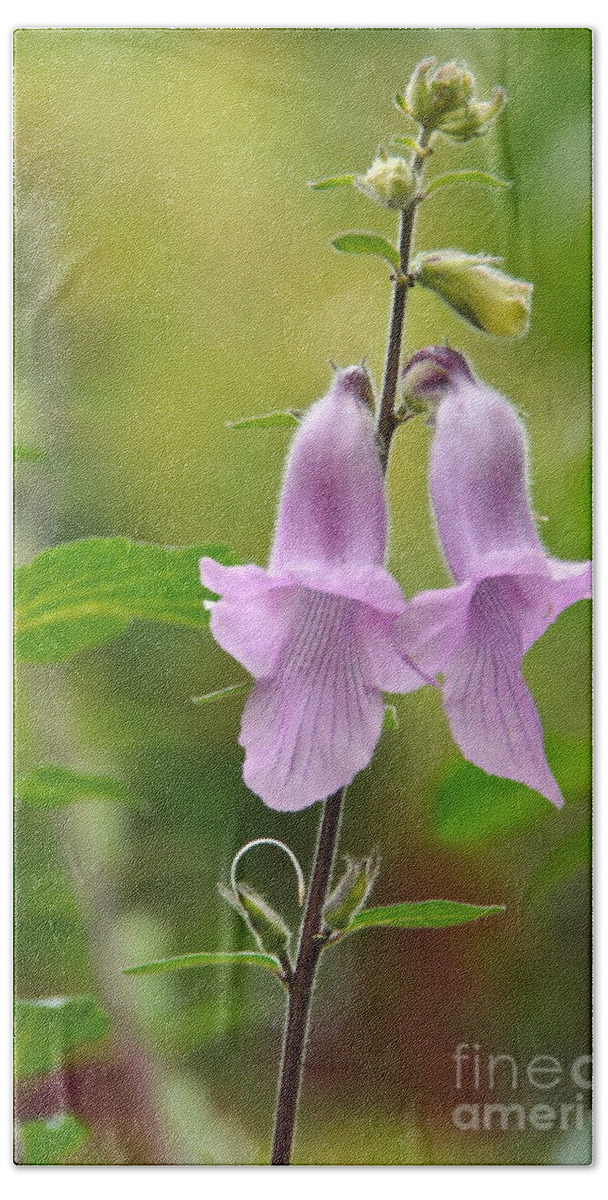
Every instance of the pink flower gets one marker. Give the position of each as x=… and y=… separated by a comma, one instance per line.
x=316, y=629
x=508, y=588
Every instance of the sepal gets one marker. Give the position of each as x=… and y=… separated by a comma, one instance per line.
x=352, y=891
x=267, y=926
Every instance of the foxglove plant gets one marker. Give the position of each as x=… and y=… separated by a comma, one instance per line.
x=324, y=630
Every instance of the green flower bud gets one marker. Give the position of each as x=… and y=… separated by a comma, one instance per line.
x=475, y=119
x=473, y=286
x=351, y=892
x=266, y=925
x=444, y=100
x=389, y=181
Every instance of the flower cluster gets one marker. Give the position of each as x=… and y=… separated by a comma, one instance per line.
x=443, y=99
x=325, y=630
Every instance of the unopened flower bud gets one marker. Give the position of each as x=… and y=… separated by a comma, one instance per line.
x=266, y=925
x=351, y=892
x=389, y=181
x=443, y=99
x=429, y=375
x=473, y=286
x=474, y=119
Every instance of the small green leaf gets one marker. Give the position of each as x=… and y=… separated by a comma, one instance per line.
x=401, y=102
x=210, y=697
x=80, y=594
x=49, y=1143
x=333, y=181
x=52, y=787
x=391, y=717
x=367, y=243
x=423, y=914
x=409, y=142
x=207, y=958
x=266, y=420
x=47, y=1030
x=476, y=177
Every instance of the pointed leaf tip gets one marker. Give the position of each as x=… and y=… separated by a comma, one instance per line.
x=423, y=914
x=367, y=243
x=332, y=181
x=266, y=420
x=211, y=697
x=206, y=958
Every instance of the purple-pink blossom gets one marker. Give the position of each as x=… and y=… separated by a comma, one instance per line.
x=317, y=628
x=508, y=588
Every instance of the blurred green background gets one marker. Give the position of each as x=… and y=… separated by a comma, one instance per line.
x=173, y=272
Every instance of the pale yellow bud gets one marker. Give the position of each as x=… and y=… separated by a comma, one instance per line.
x=477, y=290
x=389, y=181
x=443, y=100
x=474, y=119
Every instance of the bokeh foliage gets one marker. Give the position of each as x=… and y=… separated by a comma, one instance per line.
x=173, y=274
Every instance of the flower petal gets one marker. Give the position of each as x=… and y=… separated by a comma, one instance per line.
x=313, y=726
x=479, y=480
x=372, y=586
x=545, y=597
x=491, y=712
x=433, y=626
x=388, y=665
x=254, y=630
x=478, y=471
x=332, y=507
x=235, y=583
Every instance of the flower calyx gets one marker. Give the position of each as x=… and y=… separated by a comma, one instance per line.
x=351, y=892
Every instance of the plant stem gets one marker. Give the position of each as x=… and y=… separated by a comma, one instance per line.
x=302, y=983
x=387, y=422
x=312, y=935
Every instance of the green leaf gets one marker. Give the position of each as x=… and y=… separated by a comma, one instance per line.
x=471, y=807
x=48, y=1143
x=367, y=243
x=207, y=958
x=477, y=177
x=391, y=717
x=80, y=594
x=423, y=914
x=52, y=787
x=211, y=697
x=333, y=181
x=409, y=142
x=266, y=420
x=401, y=102
x=47, y=1030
